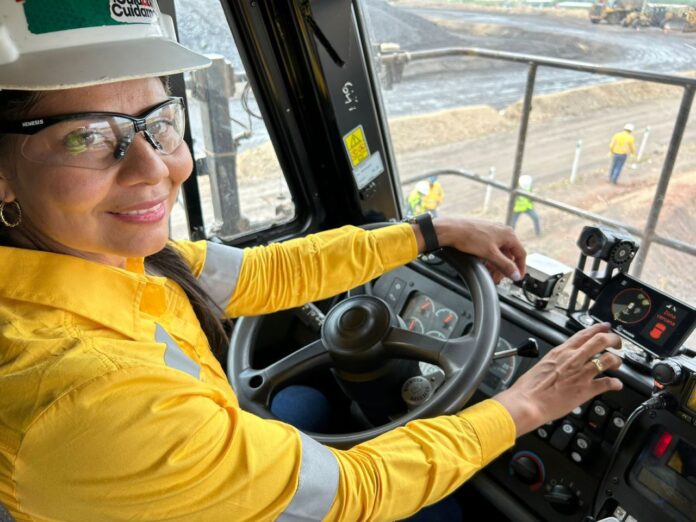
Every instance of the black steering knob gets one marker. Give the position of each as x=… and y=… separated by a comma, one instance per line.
x=353, y=332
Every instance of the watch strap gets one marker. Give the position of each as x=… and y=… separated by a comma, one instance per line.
x=427, y=229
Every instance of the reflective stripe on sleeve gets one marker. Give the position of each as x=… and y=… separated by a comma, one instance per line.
x=317, y=486
x=174, y=356
x=221, y=271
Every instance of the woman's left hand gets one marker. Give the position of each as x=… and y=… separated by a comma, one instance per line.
x=496, y=244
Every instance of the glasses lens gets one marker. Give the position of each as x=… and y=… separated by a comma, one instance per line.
x=97, y=142
x=84, y=142
x=166, y=126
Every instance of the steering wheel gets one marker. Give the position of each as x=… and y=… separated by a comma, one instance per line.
x=361, y=333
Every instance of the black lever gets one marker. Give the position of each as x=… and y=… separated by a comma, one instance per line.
x=529, y=348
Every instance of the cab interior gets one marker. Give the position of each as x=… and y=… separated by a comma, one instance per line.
x=301, y=90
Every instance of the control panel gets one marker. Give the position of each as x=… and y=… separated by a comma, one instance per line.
x=560, y=471
x=556, y=469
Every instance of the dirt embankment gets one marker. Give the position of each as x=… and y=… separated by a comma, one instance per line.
x=454, y=125
x=476, y=122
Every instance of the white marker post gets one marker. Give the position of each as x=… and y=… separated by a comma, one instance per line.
x=489, y=191
x=576, y=162
x=641, y=149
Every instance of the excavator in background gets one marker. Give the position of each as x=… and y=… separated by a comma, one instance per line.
x=614, y=11
x=639, y=13
x=668, y=17
x=690, y=19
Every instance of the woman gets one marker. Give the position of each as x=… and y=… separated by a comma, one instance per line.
x=113, y=405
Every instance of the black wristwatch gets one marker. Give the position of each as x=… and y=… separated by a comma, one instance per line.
x=425, y=223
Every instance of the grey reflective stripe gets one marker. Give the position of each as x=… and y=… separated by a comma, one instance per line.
x=221, y=272
x=317, y=486
x=4, y=515
x=174, y=356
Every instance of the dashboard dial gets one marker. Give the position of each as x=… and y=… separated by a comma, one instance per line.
x=426, y=307
x=415, y=325
x=502, y=371
x=446, y=318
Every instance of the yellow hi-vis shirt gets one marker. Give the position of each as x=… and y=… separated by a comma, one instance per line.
x=522, y=204
x=435, y=196
x=623, y=143
x=114, y=408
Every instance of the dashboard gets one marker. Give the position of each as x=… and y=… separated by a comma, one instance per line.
x=566, y=469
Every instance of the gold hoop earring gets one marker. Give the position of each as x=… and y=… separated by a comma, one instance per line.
x=18, y=210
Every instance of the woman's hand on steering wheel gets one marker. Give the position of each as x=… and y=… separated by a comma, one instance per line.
x=495, y=244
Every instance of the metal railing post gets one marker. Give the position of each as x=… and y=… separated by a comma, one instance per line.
x=489, y=191
x=576, y=162
x=667, y=168
x=521, y=139
x=643, y=143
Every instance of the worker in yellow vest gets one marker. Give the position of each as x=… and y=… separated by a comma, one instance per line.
x=622, y=144
x=416, y=199
x=426, y=196
x=524, y=205
x=435, y=195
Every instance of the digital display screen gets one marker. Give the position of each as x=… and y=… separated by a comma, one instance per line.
x=643, y=314
x=668, y=472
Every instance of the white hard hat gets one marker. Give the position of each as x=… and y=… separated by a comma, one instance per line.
x=423, y=187
x=629, y=127
x=525, y=182
x=47, y=45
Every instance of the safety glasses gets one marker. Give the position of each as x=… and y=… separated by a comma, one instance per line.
x=97, y=140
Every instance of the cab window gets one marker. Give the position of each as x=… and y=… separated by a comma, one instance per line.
x=242, y=187
x=454, y=114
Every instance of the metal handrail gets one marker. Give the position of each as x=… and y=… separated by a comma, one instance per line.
x=648, y=234
x=675, y=244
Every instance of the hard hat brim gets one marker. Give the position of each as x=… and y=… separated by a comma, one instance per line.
x=99, y=63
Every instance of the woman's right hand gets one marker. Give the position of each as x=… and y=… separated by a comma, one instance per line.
x=496, y=244
x=563, y=379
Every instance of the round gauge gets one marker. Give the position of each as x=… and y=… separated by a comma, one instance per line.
x=436, y=333
x=415, y=325
x=426, y=307
x=446, y=318
x=630, y=306
x=504, y=369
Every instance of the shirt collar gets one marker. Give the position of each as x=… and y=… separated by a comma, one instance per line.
x=110, y=296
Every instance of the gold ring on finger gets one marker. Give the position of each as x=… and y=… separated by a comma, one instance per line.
x=598, y=364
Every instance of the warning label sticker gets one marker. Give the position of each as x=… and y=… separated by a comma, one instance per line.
x=356, y=146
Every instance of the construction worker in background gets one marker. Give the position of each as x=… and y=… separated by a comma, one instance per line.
x=622, y=144
x=434, y=197
x=524, y=205
x=416, y=198
x=426, y=196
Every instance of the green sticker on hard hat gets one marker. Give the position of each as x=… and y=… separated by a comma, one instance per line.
x=49, y=16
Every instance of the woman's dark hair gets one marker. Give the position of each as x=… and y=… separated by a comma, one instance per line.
x=167, y=262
